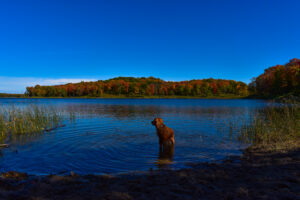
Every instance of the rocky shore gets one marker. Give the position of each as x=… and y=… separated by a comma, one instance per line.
x=257, y=174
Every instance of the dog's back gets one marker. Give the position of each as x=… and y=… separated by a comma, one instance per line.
x=165, y=133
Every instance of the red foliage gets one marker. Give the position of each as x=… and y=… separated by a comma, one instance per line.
x=278, y=80
x=142, y=86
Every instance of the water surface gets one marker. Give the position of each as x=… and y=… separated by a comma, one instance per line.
x=116, y=135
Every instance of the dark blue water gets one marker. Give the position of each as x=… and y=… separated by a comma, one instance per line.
x=115, y=135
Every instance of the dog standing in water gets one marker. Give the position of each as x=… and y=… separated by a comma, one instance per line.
x=164, y=133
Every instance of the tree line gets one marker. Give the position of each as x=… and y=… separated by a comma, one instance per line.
x=278, y=80
x=130, y=86
x=275, y=81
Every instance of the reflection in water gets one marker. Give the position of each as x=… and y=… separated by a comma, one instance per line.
x=165, y=156
x=132, y=111
x=114, y=135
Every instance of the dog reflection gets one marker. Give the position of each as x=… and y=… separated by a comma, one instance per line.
x=165, y=156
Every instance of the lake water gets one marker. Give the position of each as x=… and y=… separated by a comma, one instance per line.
x=116, y=135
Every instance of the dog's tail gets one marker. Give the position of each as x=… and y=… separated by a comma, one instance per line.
x=172, y=139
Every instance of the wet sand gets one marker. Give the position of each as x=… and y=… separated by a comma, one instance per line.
x=255, y=175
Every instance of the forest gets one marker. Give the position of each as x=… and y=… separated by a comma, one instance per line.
x=278, y=80
x=275, y=81
x=129, y=86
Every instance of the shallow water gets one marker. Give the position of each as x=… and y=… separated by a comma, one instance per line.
x=116, y=135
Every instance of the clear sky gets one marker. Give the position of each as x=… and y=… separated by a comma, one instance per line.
x=57, y=41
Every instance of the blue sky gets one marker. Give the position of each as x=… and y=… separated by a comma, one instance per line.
x=57, y=41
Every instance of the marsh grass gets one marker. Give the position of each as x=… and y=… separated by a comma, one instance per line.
x=273, y=128
x=31, y=119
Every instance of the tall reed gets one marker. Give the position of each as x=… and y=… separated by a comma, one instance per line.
x=27, y=119
x=274, y=127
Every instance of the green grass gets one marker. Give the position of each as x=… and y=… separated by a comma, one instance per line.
x=30, y=119
x=274, y=128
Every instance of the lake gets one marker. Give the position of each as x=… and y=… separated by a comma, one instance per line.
x=116, y=135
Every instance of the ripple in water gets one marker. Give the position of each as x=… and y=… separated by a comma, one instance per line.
x=115, y=135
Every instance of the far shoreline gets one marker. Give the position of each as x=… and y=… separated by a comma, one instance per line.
x=134, y=97
x=284, y=98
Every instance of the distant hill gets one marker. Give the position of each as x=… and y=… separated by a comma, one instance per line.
x=138, y=87
x=276, y=81
x=279, y=80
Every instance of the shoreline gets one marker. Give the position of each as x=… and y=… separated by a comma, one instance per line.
x=276, y=99
x=134, y=97
x=257, y=174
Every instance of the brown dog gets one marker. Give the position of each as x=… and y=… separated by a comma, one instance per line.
x=164, y=133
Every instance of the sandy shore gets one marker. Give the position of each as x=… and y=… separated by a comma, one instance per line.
x=255, y=175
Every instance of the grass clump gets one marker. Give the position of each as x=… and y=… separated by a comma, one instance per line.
x=27, y=120
x=274, y=128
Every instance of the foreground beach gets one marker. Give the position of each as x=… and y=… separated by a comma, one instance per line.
x=257, y=174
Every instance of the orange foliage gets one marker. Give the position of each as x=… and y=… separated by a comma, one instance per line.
x=141, y=86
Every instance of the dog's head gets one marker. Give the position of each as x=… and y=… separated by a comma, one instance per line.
x=157, y=121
